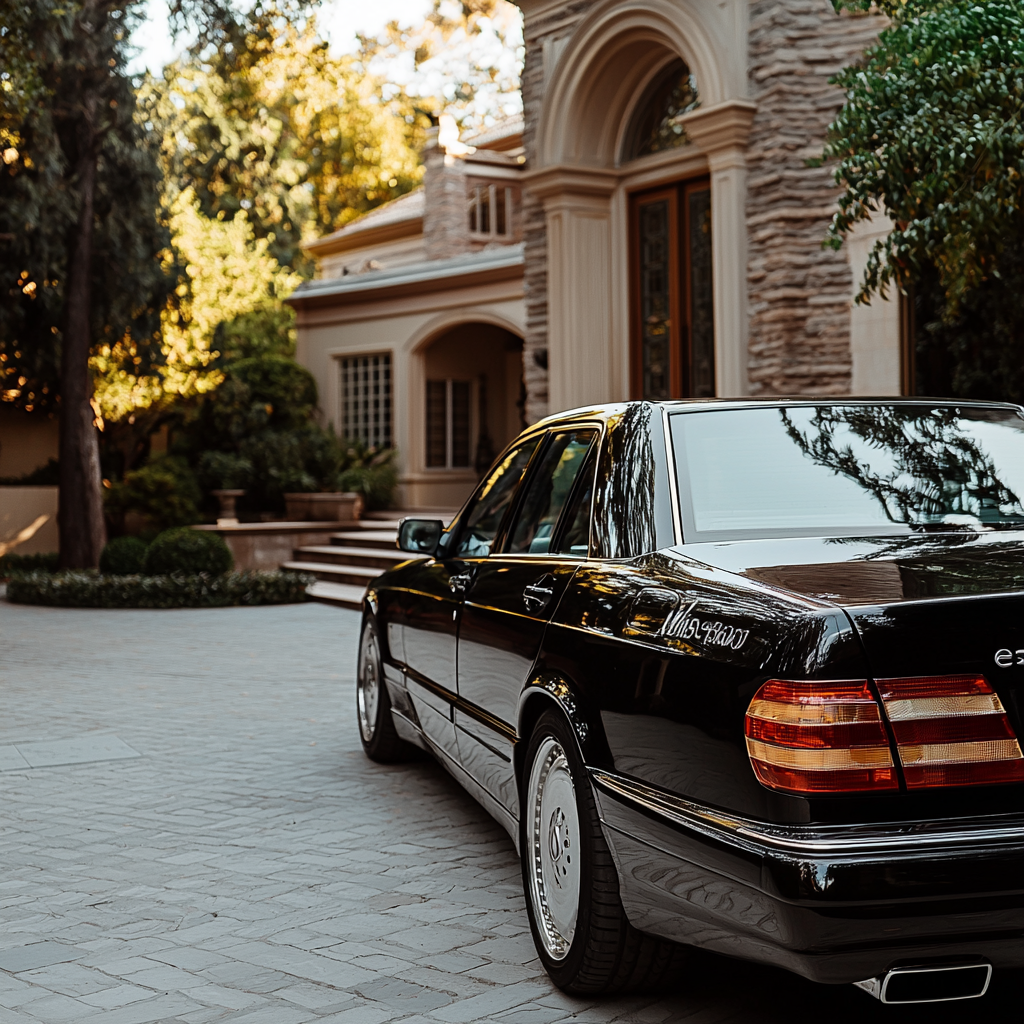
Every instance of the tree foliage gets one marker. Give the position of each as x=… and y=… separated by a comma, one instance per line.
x=270, y=126
x=43, y=80
x=464, y=59
x=931, y=135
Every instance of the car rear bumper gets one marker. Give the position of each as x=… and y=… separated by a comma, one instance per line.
x=835, y=904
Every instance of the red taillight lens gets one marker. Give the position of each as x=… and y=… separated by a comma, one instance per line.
x=951, y=731
x=809, y=737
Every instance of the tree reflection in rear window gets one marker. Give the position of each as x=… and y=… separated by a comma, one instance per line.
x=844, y=470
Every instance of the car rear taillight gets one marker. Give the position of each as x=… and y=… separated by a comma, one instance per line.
x=951, y=731
x=810, y=737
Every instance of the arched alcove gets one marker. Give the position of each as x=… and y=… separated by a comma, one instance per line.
x=472, y=395
x=609, y=64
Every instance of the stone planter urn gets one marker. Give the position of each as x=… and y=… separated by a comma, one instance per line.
x=326, y=506
x=228, y=514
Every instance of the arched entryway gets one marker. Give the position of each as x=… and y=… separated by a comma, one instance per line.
x=646, y=239
x=468, y=402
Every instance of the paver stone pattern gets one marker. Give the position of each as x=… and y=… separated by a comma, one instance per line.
x=235, y=857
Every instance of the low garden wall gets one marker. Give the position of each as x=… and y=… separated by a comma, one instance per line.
x=20, y=507
x=267, y=545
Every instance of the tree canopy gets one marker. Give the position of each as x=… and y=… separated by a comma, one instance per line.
x=931, y=136
x=270, y=125
x=43, y=79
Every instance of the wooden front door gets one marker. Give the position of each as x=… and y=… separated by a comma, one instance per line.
x=673, y=337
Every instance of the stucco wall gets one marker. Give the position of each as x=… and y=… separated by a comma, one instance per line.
x=27, y=441
x=405, y=337
x=20, y=507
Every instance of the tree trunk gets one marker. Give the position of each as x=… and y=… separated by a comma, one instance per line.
x=80, y=502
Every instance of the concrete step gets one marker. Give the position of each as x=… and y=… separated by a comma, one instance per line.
x=383, y=539
x=354, y=575
x=341, y=595
x=335, y=554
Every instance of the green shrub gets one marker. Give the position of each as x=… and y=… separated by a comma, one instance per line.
x=224, y=470
x=12, y=563
x=269, y=329
x=95, y=590
x=123, y=556
x=188, y=551
x=164, y=491
x=370, y=472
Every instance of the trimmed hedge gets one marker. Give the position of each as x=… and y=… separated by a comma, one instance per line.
x=184, y=550
x=14, y=562
x=123, y=556
x=96, y=590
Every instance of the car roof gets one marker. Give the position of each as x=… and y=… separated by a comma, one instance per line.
x=606, y=411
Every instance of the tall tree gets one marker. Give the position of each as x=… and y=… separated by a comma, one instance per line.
x=270, y=125
x=932, y=135
x=80, y=230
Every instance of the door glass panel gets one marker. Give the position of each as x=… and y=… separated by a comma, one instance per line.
x=460, y=422
x=702, y=332
x=655, y=275
x=492, y=501
x=549, y=491
x=576, y=535
x=437, y=417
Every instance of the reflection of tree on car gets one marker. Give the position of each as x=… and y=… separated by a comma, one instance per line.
x=936, y=469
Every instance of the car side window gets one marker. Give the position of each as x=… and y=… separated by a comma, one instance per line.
x=549, y=490
x=575, y=535
x=492, y=501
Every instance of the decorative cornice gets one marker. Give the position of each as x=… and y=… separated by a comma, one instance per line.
x=566, y=178
x=723, y=126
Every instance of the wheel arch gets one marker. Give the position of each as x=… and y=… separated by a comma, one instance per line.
x=553, y=690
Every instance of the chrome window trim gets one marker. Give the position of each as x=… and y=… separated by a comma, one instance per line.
x=673, y=483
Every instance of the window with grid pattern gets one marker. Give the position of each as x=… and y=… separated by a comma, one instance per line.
x=448, y=423
x=366, y=399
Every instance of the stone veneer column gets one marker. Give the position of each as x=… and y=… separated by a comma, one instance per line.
x=799, y=292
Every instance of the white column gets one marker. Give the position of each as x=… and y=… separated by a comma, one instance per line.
x=729, y=270
x=577, y=207
x=721, y=132
x=875, y=328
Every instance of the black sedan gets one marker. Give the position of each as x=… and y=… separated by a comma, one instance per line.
x=744, y=676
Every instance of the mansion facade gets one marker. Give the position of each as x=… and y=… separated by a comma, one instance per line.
x=651, y=228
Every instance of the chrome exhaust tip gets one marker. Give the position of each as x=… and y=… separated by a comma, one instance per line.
x=929, y=983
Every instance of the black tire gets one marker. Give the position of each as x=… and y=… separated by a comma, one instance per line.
x=381, y=742
x=604, y=953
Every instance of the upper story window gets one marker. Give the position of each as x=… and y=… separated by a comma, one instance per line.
x=657, y=123
x=490, y=211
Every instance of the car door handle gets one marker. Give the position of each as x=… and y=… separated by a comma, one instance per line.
x=459, y=582
x=537, y=595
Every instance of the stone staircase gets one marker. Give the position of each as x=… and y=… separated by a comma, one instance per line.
x=344, y=567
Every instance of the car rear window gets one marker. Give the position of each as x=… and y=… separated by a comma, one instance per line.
x=844, y=470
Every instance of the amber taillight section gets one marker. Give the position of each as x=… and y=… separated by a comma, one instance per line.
x=951, y=731
x=811, y=737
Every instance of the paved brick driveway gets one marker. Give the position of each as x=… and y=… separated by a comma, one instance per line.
x=250, y=864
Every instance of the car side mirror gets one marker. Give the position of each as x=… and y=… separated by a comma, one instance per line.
x=420, y=536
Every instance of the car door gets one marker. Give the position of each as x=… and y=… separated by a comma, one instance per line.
x=513, y=594
x=433, y=605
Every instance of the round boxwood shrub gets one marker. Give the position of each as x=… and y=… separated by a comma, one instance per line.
x=123, y=556
x=189, y=551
